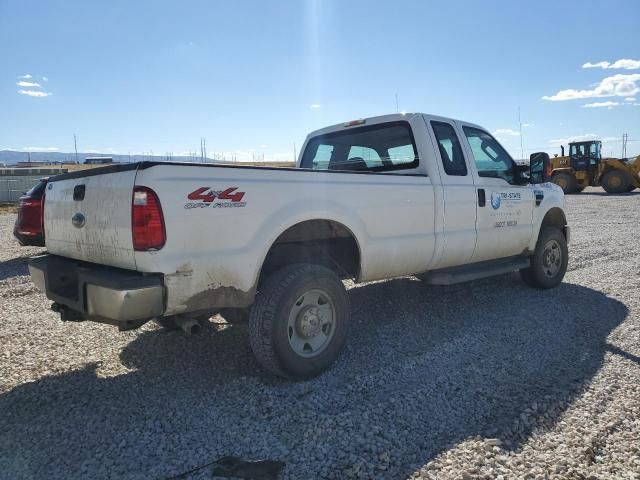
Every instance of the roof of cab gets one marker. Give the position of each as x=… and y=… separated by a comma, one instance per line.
x=393, y=117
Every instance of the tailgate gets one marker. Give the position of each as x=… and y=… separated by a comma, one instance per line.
x=96, y=226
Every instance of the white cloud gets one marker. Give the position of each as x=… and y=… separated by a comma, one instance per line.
x=630, y=99
x=45, y=79
x=22, y=83
x=315, y=105
x=601, y=104
x=528, y=124
x=623, y=63
x=26, y=77
x=576, y=138
x=40, y=149
x=619, y=85
x=34, y=93
x=506, y=131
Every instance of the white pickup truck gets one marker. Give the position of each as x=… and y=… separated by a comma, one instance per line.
x=370, y=199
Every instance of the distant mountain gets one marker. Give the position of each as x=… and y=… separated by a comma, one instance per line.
x=11, y=157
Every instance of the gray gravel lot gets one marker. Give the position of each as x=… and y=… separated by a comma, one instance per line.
x=482, y=380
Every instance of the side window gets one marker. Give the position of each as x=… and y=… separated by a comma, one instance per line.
x=490, y=158
x=450, y=150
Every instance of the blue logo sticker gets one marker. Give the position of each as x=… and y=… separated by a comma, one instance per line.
x=495, y=200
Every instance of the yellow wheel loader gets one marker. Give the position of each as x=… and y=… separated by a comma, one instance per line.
x=584, y=166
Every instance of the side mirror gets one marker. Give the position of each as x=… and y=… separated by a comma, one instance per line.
x=537, y=163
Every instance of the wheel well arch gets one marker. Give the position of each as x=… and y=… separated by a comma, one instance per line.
x=556, y=218
x=319, y=241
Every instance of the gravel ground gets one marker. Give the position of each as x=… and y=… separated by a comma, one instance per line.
x=482, y=380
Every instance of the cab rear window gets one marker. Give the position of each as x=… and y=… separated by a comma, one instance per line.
x=374, y=148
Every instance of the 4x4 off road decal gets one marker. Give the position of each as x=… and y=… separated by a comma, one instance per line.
x=204, y=197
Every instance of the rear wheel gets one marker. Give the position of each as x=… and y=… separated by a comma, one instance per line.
x=300, y=321
x=616, y=181
x=566, y=181
x=549, y=261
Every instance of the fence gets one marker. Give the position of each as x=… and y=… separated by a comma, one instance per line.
x=15, y=181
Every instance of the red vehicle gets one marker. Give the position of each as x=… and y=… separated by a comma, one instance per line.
x=28, y=229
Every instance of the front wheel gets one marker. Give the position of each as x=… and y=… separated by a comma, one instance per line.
x=300, y=321
x=616, y=181
x=566, y=181
x=549, y=261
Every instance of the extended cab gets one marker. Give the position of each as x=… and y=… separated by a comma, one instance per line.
x=371, y=199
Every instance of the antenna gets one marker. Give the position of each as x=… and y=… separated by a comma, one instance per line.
x=521, y=147
x=75, y=145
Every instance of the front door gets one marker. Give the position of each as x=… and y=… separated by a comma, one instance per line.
x=504, y=218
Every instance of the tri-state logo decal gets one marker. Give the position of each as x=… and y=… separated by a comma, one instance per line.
x=204, y=197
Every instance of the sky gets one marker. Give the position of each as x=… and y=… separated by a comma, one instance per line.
x=254, y=77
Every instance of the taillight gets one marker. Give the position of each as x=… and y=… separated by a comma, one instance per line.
x=30, y=217
x=44, y=196
x=147, y=222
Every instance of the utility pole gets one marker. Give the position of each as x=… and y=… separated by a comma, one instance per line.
x=521, y=145
x=75, y=146
x=625, y=137
x=295, y=153
x=397, y=108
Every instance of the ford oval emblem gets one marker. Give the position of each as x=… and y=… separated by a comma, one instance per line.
x=495, y=200
x=78, y=220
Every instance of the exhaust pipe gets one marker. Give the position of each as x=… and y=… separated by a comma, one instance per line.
x=189, y=325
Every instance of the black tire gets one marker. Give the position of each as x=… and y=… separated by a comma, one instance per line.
x=566, y=181
x=269, y=328
x=616, y=181
x=540, y=274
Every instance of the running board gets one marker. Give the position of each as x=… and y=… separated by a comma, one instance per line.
x=475, y=271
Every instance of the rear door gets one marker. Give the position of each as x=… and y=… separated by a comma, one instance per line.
x=459, y=196
x=504, y=220
x=89, y=217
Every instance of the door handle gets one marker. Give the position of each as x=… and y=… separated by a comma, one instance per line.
x=482, y=199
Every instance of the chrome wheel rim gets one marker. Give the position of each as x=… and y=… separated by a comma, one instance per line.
x=551, y=258
x=311, y=323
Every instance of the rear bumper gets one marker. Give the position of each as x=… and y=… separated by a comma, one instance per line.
x=84, y=291
x=28, y=240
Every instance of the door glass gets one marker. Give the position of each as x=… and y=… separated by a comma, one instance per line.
x=450, y=150
x=594, y=153
x=490, y=158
